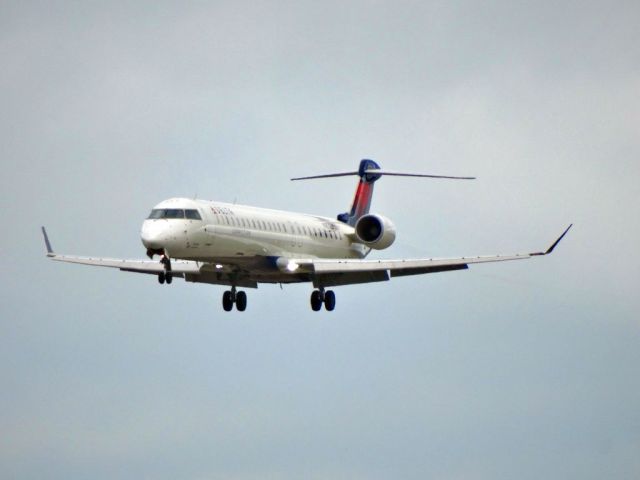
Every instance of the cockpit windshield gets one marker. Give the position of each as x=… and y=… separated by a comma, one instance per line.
x=192, y=214
x=158, y=213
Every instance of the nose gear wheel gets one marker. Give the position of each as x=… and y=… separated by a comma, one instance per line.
x=165, y=276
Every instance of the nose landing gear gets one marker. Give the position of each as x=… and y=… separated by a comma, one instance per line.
x=166, y=275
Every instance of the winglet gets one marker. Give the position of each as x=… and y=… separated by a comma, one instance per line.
x=47, y=243
x=550, y=249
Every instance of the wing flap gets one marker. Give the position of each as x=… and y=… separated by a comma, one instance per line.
x=349, y=278
x=420, y=271
x=321, y=266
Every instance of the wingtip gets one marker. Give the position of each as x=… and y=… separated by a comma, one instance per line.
x=550, y=249
x=47, y=243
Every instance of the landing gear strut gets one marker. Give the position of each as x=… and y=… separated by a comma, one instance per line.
x=231, y=297
x=165, y=275
x=318, y=297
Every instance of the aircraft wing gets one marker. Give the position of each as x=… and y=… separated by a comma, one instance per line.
x=322, y=272
x=178, y=267
x=325, y=272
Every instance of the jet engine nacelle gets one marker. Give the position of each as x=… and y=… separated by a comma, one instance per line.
x=375, y=231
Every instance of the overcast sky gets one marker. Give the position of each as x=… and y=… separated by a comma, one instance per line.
x=526, y=370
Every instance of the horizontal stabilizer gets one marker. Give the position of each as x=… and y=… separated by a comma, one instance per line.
x=424, y=175
x=328, y=175
x=379, y=172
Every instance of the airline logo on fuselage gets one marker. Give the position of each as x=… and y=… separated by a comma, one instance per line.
x=221, y=210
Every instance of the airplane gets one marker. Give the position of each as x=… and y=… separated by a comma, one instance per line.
x=242, y=246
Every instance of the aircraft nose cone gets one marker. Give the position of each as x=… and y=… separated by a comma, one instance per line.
x=151, y=241
x=152, y=236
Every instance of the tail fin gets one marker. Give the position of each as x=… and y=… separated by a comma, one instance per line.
x=364, y=192
x=369, y=171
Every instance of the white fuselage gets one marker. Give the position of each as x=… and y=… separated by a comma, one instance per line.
x=235, y=231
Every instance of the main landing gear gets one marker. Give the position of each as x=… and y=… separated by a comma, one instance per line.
x=320, y=296
x=166, y=275
x=231, y=297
